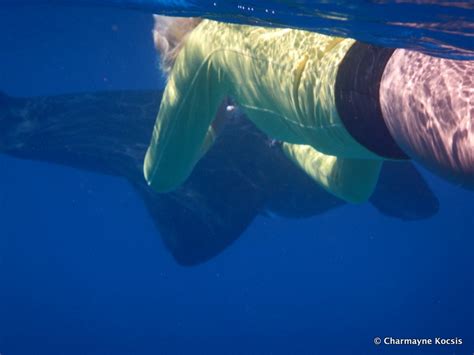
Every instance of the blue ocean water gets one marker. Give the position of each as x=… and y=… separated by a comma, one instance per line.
x=438, y=27
x=83, y=271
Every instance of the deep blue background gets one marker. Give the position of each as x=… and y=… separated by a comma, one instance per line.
x=83, y=271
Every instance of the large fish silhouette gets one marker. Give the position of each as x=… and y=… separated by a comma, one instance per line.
x=437, y=27
x=242, y=175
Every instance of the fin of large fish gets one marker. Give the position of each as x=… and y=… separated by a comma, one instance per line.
x=109, y=132
x=295, y=194
x=197, y=222
x=106, y=132
x=225, y=192
x=403, y=193
x=243, y=174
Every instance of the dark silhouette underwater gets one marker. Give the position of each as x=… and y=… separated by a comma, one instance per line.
x=244, y=174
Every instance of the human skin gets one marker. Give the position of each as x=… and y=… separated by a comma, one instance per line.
x=428, y=106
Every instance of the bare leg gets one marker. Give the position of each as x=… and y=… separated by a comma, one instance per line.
x=428, y=106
